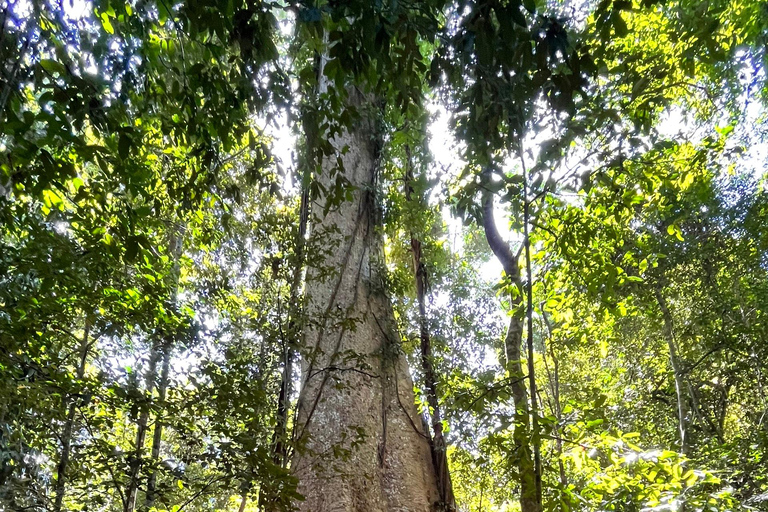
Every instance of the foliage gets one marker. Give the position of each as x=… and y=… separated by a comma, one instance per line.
x=144, y=219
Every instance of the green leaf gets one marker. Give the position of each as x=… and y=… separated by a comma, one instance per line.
x=53, y=66
x=106, y=23
x=619, y=25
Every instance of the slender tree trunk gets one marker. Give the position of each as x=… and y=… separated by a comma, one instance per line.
x=160, y=352
x=176, y=246
x=559, y=418
x=536, y=435
x=361, y=445
x=438, y=444
x=141, y=430
x=529, y=496
x=243, y=502
x=294, y=332
x=557, y=409
x=280, y=434
x=669, y=336
x=66, y=436
x=157, y=434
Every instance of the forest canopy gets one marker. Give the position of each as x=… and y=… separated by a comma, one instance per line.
x=389, y=255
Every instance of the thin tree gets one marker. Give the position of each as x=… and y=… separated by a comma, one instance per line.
x=510, y=262
x=438, y=444
x=177, y=246
x=66, y=435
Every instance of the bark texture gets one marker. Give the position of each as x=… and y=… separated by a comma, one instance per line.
x=361, y=443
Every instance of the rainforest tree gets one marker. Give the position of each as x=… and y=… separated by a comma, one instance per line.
x=245, y=264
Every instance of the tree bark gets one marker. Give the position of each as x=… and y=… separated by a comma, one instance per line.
x=361, y=446
x=66, y=436
x=529, y=496
x=157, y=434
x=160, y=352
x=536, y=434
x=141, y=431
x=557, y=408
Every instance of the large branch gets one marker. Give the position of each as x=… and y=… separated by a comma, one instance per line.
x=498, y=245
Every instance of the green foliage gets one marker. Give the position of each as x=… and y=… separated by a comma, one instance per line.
x=143, y=215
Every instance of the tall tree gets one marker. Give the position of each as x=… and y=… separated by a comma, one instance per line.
x=361, y=442
x=362, y=446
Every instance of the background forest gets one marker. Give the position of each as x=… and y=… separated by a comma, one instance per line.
x=571, y=197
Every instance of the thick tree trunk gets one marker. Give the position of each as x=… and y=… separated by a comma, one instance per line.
x=529, y=495
x=66, y=435
x=361, y=443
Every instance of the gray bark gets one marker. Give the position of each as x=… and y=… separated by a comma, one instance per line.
x=557, y=410
x=141, y=432
x=176, y=246
x=361, y=443
x=536, y=434
x=157, y=434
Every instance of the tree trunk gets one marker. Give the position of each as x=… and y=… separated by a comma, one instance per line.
x=536, y=434
x=141, y=431
x=157, y=434
x=557, y=408
x=160, y=351
x=243, y=502
x=267, y=500
x=176, y=246
x=669, y=336
x=529, y=495
x=438, y=444
x=66, y=436
x=361, y=444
